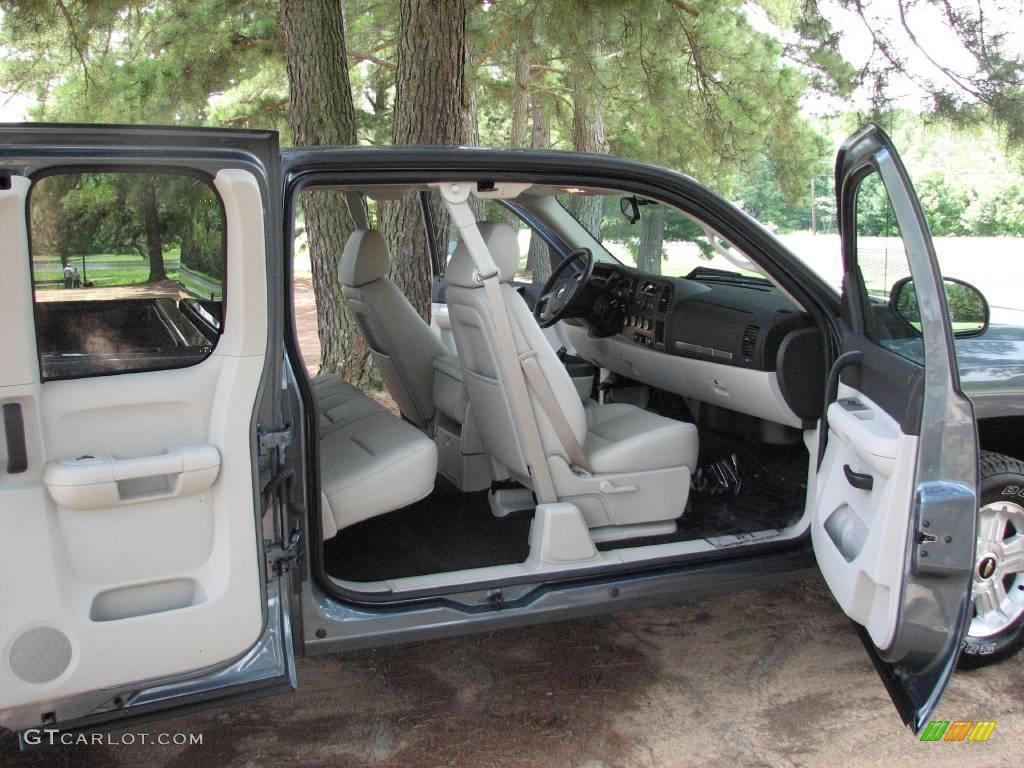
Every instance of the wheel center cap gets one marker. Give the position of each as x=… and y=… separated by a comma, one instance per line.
x=986, y=567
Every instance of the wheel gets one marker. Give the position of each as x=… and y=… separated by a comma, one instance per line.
x=996, y=630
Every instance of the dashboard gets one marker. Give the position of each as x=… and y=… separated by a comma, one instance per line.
x=740, y=333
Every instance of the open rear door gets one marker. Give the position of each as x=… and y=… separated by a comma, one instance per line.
x=896, y=492
x=137, y=368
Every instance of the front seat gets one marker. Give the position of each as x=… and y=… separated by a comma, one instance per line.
x=402, y=344
x=619, y=464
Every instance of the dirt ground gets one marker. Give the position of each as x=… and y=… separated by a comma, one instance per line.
x=167, y=289
x=765, y=677
x=305, y=323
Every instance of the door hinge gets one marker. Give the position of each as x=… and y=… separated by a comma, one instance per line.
x=272, y=439
x=281, y=557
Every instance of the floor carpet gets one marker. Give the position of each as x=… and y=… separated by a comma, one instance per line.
x=451, y=531
x=446, y=531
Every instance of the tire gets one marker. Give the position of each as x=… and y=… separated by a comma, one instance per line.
x=994, y=635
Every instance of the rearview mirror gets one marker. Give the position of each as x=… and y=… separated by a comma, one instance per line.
x=630, y=208
x=968, y=309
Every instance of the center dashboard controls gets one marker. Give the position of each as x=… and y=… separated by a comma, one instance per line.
x=646, y=303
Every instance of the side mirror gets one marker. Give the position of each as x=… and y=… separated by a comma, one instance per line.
x=630, y=208
x=968, y=309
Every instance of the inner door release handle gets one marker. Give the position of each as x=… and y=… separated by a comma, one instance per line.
x=860, y=480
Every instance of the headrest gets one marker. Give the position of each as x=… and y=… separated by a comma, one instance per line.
x=503, y=244
x=364, y=259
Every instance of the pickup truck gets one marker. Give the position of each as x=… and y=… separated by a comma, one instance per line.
x=187, y=508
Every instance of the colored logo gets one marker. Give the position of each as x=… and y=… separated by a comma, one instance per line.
x=958, y=730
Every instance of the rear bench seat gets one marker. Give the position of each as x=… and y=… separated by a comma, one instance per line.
x=371, y=462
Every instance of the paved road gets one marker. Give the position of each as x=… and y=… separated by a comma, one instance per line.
x=766, y=677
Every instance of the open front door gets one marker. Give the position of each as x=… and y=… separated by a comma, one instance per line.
x=137, y=368
x=896, y=493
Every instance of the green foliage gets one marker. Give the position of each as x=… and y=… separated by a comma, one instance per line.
x=673, y=228
x=86, y=214
x=195, y=214
x=999, y=213
x=875, y=217
x=945, y=205
x=758, y=194
x=615, y=226
x=693, y=93
x=968, y=182
x=165, y=62
x=716, y=89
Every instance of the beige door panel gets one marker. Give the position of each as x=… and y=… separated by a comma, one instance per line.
x=142, y=561
x=859, y=547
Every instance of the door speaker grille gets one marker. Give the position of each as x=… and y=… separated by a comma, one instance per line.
x=40, y=654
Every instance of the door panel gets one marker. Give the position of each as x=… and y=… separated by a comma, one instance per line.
x=859, y=548
x=896, y=498
x=132, y=549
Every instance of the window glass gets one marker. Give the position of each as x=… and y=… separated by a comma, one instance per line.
x=652, y=236
x=128, y=271
x=882, y=262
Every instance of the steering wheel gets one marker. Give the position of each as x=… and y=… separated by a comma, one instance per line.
x=561, y=295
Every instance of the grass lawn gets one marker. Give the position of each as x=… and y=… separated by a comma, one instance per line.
x=118, y=269
x=105, y=268
x=52, y=261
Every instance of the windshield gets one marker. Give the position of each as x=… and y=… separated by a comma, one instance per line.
x=656, y=238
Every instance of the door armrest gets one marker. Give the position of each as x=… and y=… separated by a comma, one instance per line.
x=101, y=482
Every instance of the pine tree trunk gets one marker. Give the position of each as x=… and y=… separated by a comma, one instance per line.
x=652, y=236
x=471, y=138
x=320, y=112
x=154, y=244
x=538, y=260
x=519, y=131
x=588, y=133
x=521, y=88
x=429, y=93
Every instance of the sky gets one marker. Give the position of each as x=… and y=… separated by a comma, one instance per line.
x=925, y=18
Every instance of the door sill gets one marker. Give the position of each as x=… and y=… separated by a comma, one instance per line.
x=622, y=559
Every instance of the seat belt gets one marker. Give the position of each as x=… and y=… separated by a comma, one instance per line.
x=456, y=196
x=542, y=389
x=357, y=209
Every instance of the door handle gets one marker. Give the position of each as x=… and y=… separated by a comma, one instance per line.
x=852, y=359
x=860, y=480
x=14, y=432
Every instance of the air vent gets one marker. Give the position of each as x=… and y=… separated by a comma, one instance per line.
x=749, y=344
x=663, y=301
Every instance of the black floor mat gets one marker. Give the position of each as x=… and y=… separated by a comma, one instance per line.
x=447, y=531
